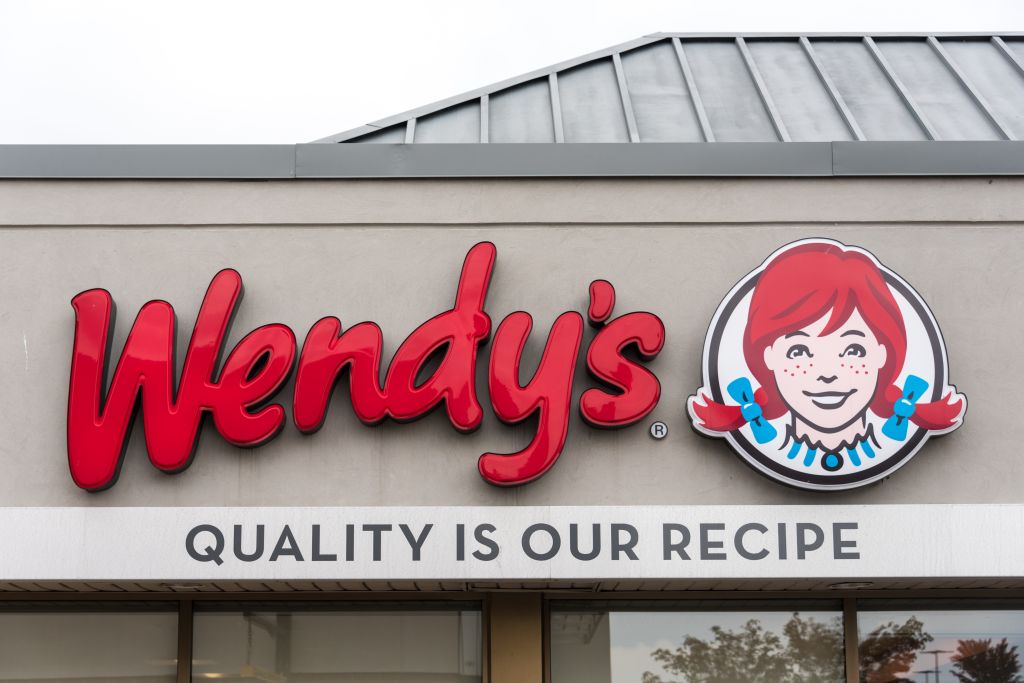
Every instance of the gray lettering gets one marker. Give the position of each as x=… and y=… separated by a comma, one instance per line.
x=626, y=548
x=707, y=545
x=350, y=542
x=556, y=542
x=574, y=543
x=376, y=530
x=317, y=555
x=286, y=545
x=803, y=546
x=211, y=553
x=480, y=534
x=839, y=545
x=255, y=555
x=742, y=550
x=416, y=543
x=669, y=547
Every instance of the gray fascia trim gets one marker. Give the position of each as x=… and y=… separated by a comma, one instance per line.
x=307, y=161
x=147, y=161
x=564, y=160
x=921, y=158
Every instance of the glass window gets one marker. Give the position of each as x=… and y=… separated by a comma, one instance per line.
x=941, y=643
x=69, y=643
x=697, y=642
x=325, y=642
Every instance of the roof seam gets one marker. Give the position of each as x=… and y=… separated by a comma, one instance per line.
x=627, y=103
x=485, y=118
x=901, y=89
x=1009, y=54
x=556, y=108
x=762, y=90
x=972, y=92
x=833, y=91
x=695, y=98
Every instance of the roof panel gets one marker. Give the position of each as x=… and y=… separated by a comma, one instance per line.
x=454, y=124
x=661, y=101
x=994, y=77
x=591, y=104
x=936, y=91
x=390, y=135
x=874, y=103
x=1016, y=45
x=730, y=97
x=693, y=87
x=522, y=114
x=804, y=103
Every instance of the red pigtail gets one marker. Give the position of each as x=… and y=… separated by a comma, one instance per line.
x=719, y=417
x=936, y=416
x=940, y=415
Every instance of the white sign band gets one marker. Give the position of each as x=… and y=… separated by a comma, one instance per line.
x=504, y=543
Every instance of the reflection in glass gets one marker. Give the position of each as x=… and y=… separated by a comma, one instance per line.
x=606, y=646
x=325, y=646
x=941, y=646
x=63, y=647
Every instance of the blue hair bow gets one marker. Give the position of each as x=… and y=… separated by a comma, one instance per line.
x=743, y=393
x=896, y=426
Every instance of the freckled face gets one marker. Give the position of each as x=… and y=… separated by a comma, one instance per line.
x=828, y=381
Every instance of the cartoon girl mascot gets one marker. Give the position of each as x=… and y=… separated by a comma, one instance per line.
x=825, y=345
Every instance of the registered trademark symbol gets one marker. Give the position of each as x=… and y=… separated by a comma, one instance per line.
x=659, y=430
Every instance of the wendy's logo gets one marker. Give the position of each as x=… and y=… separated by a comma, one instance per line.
x=825, y=370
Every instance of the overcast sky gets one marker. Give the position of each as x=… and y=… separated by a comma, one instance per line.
x=246, y=71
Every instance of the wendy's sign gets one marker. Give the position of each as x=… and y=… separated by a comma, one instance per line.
x=239, y=394
x=822, y=369
x=825, y=370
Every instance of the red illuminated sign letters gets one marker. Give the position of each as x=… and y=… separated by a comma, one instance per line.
x=238, y=396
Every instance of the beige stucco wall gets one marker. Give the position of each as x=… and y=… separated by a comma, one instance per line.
x=390, y=251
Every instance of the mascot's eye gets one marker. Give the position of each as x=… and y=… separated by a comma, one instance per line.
x=799, y=351
x=855, y=350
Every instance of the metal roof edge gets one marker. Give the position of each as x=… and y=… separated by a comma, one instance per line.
x=607, y=52
x=687, y=159
x=488, y=89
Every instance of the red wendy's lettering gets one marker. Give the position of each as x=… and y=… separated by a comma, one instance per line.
x=549, y=394
x=253, y=372
x=456, y=333
x=639, y=389
x=238, y=396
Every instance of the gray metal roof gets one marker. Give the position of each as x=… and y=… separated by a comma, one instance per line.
x=742, y=88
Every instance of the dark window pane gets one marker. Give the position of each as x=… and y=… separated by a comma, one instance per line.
x=44, y=645
x=936, y=645
x=327, y=645
x=608, y=645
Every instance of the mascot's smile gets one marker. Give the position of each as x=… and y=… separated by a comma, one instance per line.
x=830, y=400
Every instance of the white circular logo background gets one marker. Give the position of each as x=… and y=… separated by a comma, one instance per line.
x=724, y=362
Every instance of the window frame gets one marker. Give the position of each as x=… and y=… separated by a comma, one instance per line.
x=186, y=600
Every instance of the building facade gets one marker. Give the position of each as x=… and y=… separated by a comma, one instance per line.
x=476, y=417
